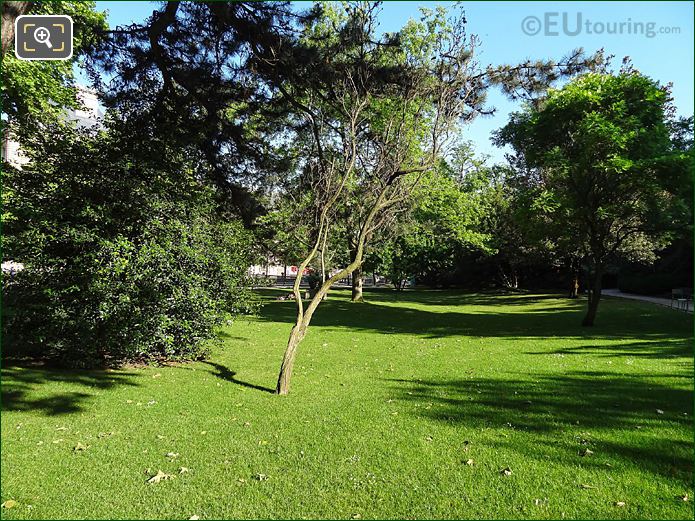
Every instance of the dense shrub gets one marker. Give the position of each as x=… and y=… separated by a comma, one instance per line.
x=650, y=283
x=126, y=255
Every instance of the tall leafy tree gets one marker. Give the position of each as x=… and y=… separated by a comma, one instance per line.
x=598, y=154
x=188, y=74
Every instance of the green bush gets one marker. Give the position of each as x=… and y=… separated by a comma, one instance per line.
x=126, y=256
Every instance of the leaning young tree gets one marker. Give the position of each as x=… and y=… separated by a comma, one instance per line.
x=375, y=114
x=378, y=113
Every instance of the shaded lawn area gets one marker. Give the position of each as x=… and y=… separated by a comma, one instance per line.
x=389, y=401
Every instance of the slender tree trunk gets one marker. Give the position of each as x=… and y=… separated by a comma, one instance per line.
x=356, y=279
x=304, y=316
x=296, y=336
x=594, y=298
x=357, y=285
x=574, y=288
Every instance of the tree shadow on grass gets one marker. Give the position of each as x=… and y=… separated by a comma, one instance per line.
x=556, y=318
x=223, y=372
x=616, y=416
x=663, y=348
x=21, y=384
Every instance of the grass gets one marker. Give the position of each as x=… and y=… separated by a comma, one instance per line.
x=389, y=400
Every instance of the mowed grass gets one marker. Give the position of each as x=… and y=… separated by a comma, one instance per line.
x=390, y=399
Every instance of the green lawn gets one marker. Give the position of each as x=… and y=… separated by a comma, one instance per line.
x=389, y=401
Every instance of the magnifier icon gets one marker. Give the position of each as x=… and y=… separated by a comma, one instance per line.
x=43, y=35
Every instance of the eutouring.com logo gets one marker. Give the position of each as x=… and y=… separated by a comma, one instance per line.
x=573, y=24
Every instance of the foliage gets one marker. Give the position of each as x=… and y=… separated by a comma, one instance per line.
x=442, y=220
x=189, y=73
x=598, y=154
x=125, y=255
x=659, y=284
x=44, y=88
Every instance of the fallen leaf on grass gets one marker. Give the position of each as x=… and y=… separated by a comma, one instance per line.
x=183, y=470
x=684, y=497
x=105, y=434
x=172, y=455
x=506, y=471
x=261, y=477
x=157, y=375
x=79, y=447
x=151, y=402
x=470, y=462
x=10, y=503
x=160, y=437
x=61, y=428
x=585, y=452
x=262, y=442
x=58, y=441
x=620, y=503
x=129, y=401
x=160, y=476
x=241, y=480
x=194, y=518
x=356, y=516
x=585, y=486
x=429, y=438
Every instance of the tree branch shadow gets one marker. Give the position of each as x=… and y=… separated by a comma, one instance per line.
x=632, y=419
x=228, y=375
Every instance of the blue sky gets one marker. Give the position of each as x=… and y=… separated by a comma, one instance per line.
x=666, y=54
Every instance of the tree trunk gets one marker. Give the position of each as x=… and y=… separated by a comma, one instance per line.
x=296, y=336
x=356, y=279
x=10, y=12
x=357, y=285
x=594, y=298
x=574, y=288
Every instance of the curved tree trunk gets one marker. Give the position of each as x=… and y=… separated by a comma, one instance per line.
x=304, y=316
x=296, y=336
